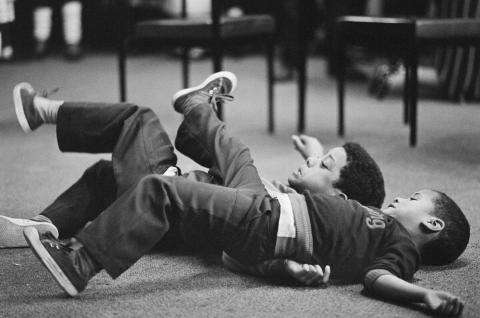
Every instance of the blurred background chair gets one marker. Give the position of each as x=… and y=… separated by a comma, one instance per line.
x=406, y=38
x=214, y=32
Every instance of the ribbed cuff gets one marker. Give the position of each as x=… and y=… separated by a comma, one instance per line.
x=372, y=276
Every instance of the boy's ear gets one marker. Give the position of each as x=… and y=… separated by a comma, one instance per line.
x=432, y=224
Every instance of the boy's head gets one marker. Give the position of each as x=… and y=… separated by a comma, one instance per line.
x=435, y=222
x=348, y=169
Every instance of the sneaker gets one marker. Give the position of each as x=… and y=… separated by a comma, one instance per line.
x=215, y=88
x=28, y=117
x=71, y=266
x=11, y=231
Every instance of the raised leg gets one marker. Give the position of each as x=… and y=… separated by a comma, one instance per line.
x=133, y=134
x=203, y=138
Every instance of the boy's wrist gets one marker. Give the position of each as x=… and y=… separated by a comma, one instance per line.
x=425, y=294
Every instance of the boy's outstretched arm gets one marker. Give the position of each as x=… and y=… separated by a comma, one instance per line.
x=387, y=285
x=307, y=146
x=306, y=274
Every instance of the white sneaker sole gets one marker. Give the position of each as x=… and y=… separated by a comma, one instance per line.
x=229, y=75
x=11, y=231
x=33, y=239
x=17, y=101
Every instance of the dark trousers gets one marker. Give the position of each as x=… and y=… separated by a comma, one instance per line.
x=235, y=218
x=139, y=147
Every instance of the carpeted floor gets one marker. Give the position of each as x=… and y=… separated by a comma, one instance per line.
x=33, y=172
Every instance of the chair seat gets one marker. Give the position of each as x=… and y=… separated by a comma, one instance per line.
x=388, y=33
x=201, y=29
x=448, y=29
x=387, y=30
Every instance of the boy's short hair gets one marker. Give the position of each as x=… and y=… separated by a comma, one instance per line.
x=361, y=178
x=453, y=239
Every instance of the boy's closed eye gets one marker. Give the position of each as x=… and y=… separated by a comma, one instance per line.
x=327, y=163
x=415, y=196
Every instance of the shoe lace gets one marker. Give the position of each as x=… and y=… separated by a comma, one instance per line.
x=55, y=243
x=215, y=97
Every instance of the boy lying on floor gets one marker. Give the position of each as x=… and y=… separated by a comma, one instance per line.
x=381, y=248
x=348, y=170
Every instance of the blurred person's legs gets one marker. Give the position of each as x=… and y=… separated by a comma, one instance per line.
x=42, y=26
x=71, y=17
x=72, y=28
x=7, y=18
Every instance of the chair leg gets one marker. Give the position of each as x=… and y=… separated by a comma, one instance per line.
x=302, y=91
x=185, y=67
x=217, y=67
x=302, y=79
x=122, y=55
x=340, y=72
x=270, y=80
x=301, y=61
x=412, y=109
x=406, y=84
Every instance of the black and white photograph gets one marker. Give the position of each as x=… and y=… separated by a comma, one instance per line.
x=227, y=158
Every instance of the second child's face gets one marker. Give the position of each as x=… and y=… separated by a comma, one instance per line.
x=319, y=174
x=412, y=210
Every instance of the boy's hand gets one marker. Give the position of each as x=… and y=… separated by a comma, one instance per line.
x=443, y=303
x=307, y=146
x=282, y=187
x=306, y=273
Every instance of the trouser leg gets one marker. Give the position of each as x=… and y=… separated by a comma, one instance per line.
x=84, y=200
x=133, y=134
x=235, y=220
x=203, y=137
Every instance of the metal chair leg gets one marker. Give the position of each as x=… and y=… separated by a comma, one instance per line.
x=340, y=71
x=301, y=61
x=270, y=81
x=122, y=56
x=406, y=84
x=413, y=92
x=186, y=67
